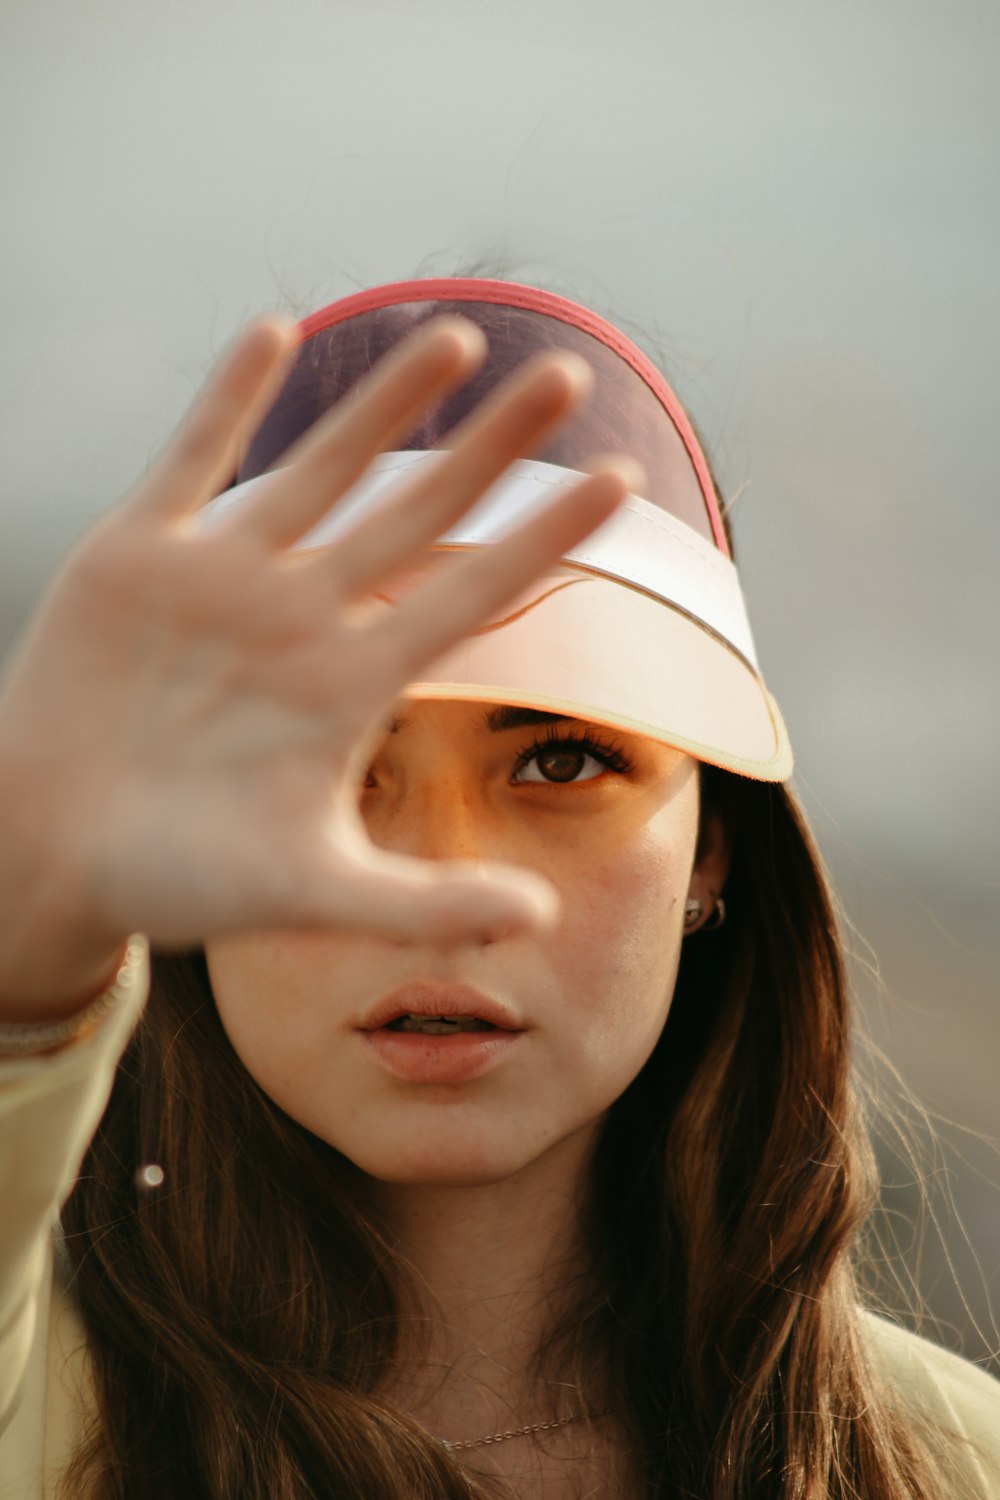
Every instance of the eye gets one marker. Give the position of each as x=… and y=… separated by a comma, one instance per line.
x=558, y=760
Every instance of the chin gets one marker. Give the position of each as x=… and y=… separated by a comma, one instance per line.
x=433, y=1176
x=452, y=1158
x=448, y=1168
x=465, y=1152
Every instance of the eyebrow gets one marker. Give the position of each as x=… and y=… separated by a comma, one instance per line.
x=504, y=716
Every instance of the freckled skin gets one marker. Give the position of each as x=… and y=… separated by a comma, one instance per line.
x=619, y=848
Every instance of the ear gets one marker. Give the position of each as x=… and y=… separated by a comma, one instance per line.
x=712, y=861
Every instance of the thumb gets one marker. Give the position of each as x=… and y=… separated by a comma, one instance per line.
x=425, y=901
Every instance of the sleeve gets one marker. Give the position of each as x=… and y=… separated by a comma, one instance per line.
x=958, y=1401
x=50, y=1107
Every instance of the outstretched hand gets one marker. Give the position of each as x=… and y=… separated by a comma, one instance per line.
x=185, y=724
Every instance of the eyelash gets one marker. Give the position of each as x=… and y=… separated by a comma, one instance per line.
x=609, y=755
x=606, y=753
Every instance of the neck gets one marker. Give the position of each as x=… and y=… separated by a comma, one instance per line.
x=488, y=1261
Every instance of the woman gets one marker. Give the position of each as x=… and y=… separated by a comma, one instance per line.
x=489, y=1128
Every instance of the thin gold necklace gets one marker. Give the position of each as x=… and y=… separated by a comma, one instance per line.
x=501, y=1437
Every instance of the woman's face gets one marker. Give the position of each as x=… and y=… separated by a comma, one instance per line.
x=611, y=819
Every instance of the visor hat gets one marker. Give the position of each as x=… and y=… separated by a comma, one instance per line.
x=642, y=626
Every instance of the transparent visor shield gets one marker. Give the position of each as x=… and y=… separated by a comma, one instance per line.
x=643, y=627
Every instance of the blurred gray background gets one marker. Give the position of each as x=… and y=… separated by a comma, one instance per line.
x=794, y=207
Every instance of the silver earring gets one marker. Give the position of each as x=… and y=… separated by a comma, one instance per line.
x=717, y=918
x=693, y=909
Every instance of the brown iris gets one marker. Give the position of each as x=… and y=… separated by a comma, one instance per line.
x=559, y=763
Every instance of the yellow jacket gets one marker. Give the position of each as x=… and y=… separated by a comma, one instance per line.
x=49, y=1109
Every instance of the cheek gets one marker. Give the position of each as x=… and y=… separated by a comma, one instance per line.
x=268, y=992
x=622, y=934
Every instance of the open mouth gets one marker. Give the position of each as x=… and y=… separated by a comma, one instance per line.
x=439, y=1025
x=420, y=1048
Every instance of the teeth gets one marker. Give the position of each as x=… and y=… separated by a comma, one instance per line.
x=442, y=1025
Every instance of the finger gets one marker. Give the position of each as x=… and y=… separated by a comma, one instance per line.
x=544, y=391
x=335, y=452
x=202, y=457
x=426, y=901
x=440, y=612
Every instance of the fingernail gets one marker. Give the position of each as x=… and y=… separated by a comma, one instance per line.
x=536, y=906
x=633, y=475
x=626, y=468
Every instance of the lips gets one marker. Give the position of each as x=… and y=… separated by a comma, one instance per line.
x=462, y=1058
x=429, y=999
x=417, y=1057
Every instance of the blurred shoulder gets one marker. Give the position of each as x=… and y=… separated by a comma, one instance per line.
x=959, y=1398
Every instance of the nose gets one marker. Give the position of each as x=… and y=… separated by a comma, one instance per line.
x=435, y=822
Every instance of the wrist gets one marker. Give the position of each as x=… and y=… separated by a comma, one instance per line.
x=34, y=1037
x=56, y=980
x=55, y=951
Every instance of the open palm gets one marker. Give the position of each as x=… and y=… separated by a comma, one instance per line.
x=189, y=711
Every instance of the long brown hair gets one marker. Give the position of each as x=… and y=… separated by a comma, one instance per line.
x=241, y=1318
